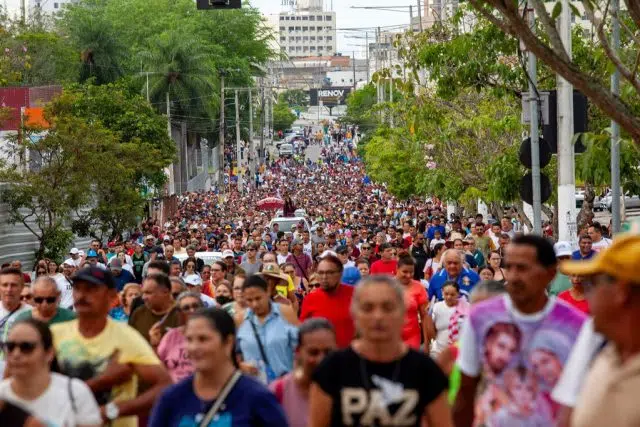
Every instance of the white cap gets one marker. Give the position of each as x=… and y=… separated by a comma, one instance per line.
x=327, y=253
x=227, y=253
x=563, y=249
x=74, y=251
x=69, y=262
x=166, y=238
x=193, y=280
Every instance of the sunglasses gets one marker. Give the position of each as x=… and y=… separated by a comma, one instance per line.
x=49, y=300
x=26, y=347
x=366, y=247
x=314, y=285
x=192, y=307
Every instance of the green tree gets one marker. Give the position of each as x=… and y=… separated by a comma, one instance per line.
x=54, y=178
x=361, y=109
x=283, y=118
x=295, y=98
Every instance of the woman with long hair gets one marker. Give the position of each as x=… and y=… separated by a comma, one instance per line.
x=316, y=339
x=267, y=335
x=52, y=268
x=238, y=305
x=494, y=262
x=52, y=398
x=434, y=264
x=378, y=368
x=172, y=349
x=216, y=390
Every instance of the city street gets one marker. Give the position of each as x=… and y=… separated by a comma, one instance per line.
x=314, y=213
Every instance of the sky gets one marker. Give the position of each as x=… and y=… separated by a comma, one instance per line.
x=345, y=16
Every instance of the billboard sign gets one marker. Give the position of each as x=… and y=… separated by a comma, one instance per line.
x=329, y=97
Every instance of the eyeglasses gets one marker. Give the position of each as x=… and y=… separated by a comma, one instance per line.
x=26, y=347
x=192, y=307
x=49, y=300
x=365, y=248
x=327, y=273
x=26, y=297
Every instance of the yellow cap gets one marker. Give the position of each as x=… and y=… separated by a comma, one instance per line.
x=620, y=260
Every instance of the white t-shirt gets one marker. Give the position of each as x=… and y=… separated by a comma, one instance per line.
x=66, y=291
x=55, y=406
x=6, y=320
x=441, y=315
x=602, y=244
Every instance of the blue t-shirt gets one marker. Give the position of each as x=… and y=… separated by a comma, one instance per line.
x=576, y=255
x=248, y=404
x=466, y=281
x=124, y=278
x=431, y=232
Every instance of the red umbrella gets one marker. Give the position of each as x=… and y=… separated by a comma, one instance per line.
x=270, y=203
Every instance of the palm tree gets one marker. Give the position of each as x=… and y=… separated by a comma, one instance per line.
x=101, y=52
x=179, y=66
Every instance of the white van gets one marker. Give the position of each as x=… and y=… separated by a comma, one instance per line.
x=286, y=150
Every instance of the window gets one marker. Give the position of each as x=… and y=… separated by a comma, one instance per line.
x=283, y=39
x=312, y=18
x=329, y=38
x=305, y=38
x=312, y=38
x=320, y=38
x=55, y=5
x=319, y=18
x=282, y=18
x=312, y=48
x=329, y=48
x=291, y=29
x=291, y=49
x=292, y=39
x=305, y=28
x=282, y=29
x=305, y=18
x=306, y=48
x=312, y=28
x=328, y=18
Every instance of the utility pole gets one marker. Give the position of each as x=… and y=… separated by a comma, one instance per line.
x=411, y=18
x=534, y=133
x=168, y=101
x=566, y=160
x=23, y=12
x=615, y=128
x=238, y=148
x=147, y=86
x=353, y=59
x=221, y=137
x=378, y=98
x=367, y=53
x=262, y=122
x=420, y=16
x=252, y=145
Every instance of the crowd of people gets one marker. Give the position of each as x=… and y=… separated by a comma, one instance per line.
x=371, y=311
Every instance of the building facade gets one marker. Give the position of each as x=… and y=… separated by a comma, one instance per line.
x=307, y=30
x=49, y=6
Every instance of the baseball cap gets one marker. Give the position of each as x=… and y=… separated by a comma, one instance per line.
x=563, y=248
x=92, y=254
x=351, y=276
x=95, y=276
x=69, y=262
x=327, y=253
x=115, y=264
x=74, y=251
x=193, y=280
x=618, y=260
x=227, y=253
x=150, y=237
x=166, y=238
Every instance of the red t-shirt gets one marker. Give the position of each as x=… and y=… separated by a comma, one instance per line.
x=384, y=267
x=335, y=308
x=582, y=305
x=415, y=295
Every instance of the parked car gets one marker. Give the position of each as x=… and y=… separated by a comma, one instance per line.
x=287, y=224
x=630, y=202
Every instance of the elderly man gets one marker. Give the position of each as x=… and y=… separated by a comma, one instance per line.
x=453, y=270
x=613, y=290
x=46, y=299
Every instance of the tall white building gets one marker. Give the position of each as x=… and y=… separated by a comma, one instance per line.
x=307, y=30
x=48, y=6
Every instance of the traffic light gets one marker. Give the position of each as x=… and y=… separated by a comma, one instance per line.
x=219, y=4
x=526, y=184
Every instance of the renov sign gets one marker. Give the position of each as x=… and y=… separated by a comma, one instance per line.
x=329, y=97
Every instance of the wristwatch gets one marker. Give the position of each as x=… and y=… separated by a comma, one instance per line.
x=111, y=411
